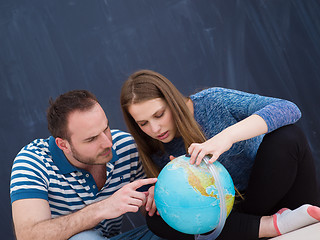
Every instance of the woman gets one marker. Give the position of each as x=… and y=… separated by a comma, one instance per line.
x=164, y=123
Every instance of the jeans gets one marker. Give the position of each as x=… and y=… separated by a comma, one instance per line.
x=140, y=233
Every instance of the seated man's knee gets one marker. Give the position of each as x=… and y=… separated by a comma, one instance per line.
x=89, y=234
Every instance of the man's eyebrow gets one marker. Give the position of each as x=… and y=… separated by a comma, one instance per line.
x=87, y=139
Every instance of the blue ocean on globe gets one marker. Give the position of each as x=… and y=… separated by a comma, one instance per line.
x=187, y=196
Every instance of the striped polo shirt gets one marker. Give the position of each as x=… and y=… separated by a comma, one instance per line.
x=41, y=170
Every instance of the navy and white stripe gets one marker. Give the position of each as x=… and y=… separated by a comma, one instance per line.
x=40, y=170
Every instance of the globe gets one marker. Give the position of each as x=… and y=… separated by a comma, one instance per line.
x=187, y=196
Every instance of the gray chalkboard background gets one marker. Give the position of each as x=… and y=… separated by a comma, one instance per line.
x=270, y=47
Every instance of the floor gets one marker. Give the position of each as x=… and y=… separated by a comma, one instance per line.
x=311, y=232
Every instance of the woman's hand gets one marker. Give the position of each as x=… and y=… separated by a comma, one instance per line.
x=250, y=127
x=215, y=146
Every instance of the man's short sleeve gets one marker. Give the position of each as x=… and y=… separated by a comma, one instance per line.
x=29, y=178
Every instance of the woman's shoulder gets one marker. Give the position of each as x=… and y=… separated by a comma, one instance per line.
x=215, y=91
x=216, y=94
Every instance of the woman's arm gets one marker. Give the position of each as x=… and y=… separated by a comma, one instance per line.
x=244, y=116
x=250, y=127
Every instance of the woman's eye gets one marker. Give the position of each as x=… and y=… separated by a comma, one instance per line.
x=143, y=124
x=159, y=115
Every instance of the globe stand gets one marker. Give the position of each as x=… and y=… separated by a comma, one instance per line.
x=223, y=208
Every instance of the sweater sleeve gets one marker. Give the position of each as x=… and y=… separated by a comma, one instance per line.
x=276, y=112
x=279, y=113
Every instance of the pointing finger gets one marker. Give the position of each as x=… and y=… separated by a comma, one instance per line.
x=141, y=182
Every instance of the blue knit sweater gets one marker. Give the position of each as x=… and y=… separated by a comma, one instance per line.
x=218, y=108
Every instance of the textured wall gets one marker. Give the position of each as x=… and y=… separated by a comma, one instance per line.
x=48, y=47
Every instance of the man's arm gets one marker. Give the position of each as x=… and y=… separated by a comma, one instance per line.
x=32, y=217
x=32, y=220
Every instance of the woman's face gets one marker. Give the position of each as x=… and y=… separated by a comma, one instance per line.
x=154, y=118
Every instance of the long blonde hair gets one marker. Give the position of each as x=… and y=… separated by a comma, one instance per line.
x=145, y=85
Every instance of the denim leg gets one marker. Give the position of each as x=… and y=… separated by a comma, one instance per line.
x=89, y=234
x=140, y=233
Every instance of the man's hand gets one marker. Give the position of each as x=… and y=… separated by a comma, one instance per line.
x=127, y=199
x=32, y=217
x=150, y=204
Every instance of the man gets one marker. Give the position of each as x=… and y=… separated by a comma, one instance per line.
x=83, y=177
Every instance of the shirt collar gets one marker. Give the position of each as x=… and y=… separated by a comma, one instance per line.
x=114, y=156
x=59, y=158
x=62, y=162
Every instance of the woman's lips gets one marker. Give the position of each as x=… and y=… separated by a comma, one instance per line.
x=163, y=135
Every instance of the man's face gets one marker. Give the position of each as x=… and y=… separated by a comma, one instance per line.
x=90, y=137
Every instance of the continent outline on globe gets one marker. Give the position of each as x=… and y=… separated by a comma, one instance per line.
x=178, y=181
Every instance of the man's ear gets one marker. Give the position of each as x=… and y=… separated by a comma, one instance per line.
x=63, y=144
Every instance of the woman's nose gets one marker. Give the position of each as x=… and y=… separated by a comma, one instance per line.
x=155, y=127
